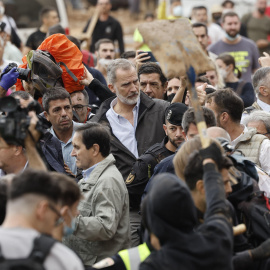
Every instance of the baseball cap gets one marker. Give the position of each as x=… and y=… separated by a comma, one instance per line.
x=174, y=113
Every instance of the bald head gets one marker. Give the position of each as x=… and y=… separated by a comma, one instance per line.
x=218, y=132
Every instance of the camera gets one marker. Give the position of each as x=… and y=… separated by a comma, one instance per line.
x=14, y=126
x=24, y=74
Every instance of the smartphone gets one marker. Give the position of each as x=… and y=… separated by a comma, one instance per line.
x=151, y=59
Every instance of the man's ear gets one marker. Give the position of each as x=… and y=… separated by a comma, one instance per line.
x=184, y=134
x=165, y=128
x=263, y=91
x=165, y=87
x=17, y=150
x=224, y=117
x=47, y=116
x=95, y=149
x=111, y=88
x=200, y=186
x=41, y=209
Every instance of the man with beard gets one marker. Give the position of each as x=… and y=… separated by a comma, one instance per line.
x=228, y=107
x=244, y=50
x=105, y=52
x=135, y=120
x=258, y=26
x=144, y=166
x=58, y=111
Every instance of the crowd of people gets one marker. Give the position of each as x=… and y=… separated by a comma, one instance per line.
x=119, y=174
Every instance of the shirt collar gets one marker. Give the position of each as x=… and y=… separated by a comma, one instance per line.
x=263, y=105
x=114, y=102
x=86, y=173
x=238, y=139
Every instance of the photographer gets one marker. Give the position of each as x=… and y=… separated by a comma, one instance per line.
x=14, y=158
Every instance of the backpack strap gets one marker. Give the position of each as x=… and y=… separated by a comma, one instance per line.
x=240, y=87
x=71, y=74
x=42, y=247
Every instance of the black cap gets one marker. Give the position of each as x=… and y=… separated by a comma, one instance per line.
x=174, y=113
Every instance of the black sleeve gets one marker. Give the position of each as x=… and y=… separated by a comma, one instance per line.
x=248, y=94
x=101, y=90
x=29, y=42
x=119, y=37
x=243, y=260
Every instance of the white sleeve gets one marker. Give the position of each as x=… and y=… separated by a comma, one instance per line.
x=264, y=157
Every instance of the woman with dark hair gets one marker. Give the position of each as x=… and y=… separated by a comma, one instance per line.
x=226, y=64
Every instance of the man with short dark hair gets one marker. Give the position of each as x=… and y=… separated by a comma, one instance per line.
x=144, y=166
x=105, y=53
x=102, y=228
x=80, y=106
x=201, y=32
x=228, y=108
x=244, y=50
x=33, y=209
x=48, y=17
x=152, y=80
x=106, y=26
x=199, y=15
x=58, y=111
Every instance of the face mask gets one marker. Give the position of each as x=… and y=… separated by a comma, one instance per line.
x=170, y=97
x=216, y=17
x=69, y=230
x=232, y=38
x=2, y=10
x=177, y=11
x=223, y=73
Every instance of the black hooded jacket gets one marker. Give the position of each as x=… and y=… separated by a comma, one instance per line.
x=169, y=213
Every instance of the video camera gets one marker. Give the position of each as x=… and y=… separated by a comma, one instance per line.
x=14, y=126
x=24, y=74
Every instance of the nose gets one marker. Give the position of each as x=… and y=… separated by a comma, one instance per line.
x=179, y=132
x=63, y=112
x=73, y=153
x=148, y=88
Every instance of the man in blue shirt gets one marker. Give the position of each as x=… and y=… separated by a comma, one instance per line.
x=58, y=111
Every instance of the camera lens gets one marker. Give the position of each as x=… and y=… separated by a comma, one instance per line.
x=8, y=104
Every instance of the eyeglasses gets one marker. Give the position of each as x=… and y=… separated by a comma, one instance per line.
x=60, y=219
x=78, y=107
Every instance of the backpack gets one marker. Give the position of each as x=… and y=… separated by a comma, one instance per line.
x=57, y=61
x=252, y=208
x=41, y=249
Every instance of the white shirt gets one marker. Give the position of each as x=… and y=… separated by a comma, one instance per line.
x=123, y=129
x=263, y=105
x=264, y=181
x=215, y=32
x=264, y=155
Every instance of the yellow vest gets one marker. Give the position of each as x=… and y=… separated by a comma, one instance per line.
x=134, y=256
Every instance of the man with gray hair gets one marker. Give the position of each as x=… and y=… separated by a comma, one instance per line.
x=261, y=82
x=135, y=120
x=259, y=120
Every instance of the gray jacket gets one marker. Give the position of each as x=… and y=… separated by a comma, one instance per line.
x=102, y=228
